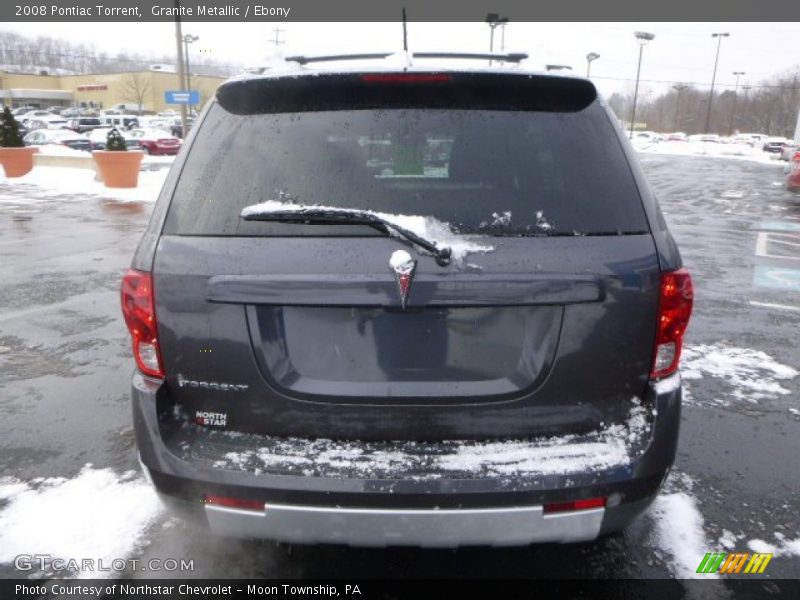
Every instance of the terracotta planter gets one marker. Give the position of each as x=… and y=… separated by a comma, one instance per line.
x=17, y=161
x=118, y=169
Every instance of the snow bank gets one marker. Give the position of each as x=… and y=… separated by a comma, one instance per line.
x=782, y=547
x=710, y=149
x=679, y=532
x=98, y=515
x=609, y=447
x=59, y=150
x=43, y=184
x=753, y=375
x=424, y=226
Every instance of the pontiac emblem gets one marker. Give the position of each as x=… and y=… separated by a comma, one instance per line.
x=403, y=266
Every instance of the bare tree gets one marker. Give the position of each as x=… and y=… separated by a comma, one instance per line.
x=135, y=87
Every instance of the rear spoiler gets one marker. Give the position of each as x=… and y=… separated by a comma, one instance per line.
x=435, y=89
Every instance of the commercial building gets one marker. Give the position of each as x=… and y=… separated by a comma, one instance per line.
x=132, y=89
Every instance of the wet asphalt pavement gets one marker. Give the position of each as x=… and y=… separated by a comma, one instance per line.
x=65, y=364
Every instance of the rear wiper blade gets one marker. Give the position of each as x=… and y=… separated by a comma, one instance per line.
x=356, y=217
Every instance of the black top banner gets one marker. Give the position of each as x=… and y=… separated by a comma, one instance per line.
x=417, y=10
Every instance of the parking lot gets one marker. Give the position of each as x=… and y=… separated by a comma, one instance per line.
x=66, y=442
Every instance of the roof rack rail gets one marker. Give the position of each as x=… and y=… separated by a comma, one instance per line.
x=514, y=57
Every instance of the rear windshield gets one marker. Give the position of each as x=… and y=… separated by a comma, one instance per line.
x=496, y=172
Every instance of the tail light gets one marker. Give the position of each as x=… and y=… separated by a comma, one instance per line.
x=138, y=308
x=674, y=309
x=230, y=502
x=583, y=504
x=405, y=77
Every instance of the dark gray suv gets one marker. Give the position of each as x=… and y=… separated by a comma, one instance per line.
x=407, y=306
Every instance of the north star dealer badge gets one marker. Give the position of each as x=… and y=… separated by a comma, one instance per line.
x=403, y=267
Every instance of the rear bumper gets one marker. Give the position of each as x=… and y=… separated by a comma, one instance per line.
x=435, y=512
x=429, y=528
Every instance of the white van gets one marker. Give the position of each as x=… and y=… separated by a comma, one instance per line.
x=120, y=121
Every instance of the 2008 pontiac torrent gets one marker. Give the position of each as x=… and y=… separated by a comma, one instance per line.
x=407, y=306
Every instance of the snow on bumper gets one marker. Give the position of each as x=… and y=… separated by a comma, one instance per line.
x=609, y=447
x=412, y=493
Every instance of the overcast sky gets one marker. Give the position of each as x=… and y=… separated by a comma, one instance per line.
x=680, y=52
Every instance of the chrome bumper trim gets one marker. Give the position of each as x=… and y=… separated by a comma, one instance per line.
x=429, y=528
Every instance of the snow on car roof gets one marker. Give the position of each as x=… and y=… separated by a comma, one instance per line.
x=398, y=62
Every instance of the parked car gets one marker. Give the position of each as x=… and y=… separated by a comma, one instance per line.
x=753, y=139
x=793, y=178
x=678, y=136
x=51, y=122
x=154, y=122
x=306, y=346
x=646, y=136
x=789, y=150
x=84, y=124
x=98, y=137
x=774, y=144
x=119, y=121
x=62, y=137
x=37, y=115
x=155, y=141
x=21, y=110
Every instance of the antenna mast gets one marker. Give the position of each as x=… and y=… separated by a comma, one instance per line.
x=405, y=36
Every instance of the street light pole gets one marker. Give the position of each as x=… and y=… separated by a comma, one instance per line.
x=493, y=20
x=179, y=55
x=592, y=56
x=719, y=37
x=188, y=39
x=735, y=97
x=642, y=37
x=679, y=88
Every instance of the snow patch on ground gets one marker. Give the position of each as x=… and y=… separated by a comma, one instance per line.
x=59, y=150
x=424, y=226
x=761, y=546
x=45, y=183
x=98, y=514
x=727, y=539
x=709, y=149
x=781, y=548
x=678, y=530
x=753, y=375
x=611, y=446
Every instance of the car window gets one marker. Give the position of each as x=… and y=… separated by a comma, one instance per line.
x=482, y=171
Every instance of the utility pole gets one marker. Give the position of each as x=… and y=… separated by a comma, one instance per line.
x=679, y=88
x=735, y=97
x=277, y=41
x=590, y=58
x=642, y=37
x=719, y=37
x=179, y=54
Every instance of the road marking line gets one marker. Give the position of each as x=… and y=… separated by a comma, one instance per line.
x=778, y=226
x=765, y=237
x=771, y=305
